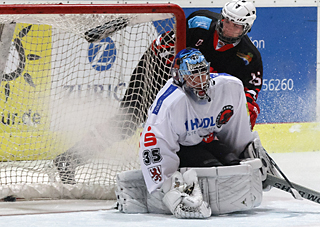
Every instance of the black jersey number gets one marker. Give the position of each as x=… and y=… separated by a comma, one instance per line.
x=256, y=79
x=152, y=156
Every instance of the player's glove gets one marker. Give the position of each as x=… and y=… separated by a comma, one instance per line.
x=183, y=196
x=163, y=47
x=254, y=111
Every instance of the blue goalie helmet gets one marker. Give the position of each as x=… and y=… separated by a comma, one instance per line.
x=191, y=72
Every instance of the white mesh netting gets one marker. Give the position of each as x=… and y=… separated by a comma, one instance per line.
x=62, y=102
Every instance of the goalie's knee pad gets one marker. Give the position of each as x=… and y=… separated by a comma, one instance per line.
x=231, y=188
x=131, y=192
x=256, y=150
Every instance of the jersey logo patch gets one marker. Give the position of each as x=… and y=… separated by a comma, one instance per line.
x=247, y=58
x=149, y=138
x=209, y=138
x=155, y=174
x=224, y=116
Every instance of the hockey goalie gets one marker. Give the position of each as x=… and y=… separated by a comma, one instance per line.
x=198, y=154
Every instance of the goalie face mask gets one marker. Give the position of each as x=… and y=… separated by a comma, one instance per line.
x=191, y=72
x=236, y=20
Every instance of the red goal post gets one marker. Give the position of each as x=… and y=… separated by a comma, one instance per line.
x=57, y=89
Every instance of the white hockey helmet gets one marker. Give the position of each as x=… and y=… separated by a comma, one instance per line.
x=240, y=12
x=191, y=71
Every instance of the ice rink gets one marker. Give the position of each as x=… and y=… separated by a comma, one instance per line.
x=278, y=208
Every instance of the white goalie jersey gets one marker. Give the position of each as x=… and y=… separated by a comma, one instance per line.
x=174, y=118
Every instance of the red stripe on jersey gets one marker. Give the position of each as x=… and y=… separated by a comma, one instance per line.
x=215, y=43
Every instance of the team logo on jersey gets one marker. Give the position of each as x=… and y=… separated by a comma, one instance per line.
x=224, y=116
x=209, y=138
x=247, y=58
x=155, y=174
x=196, y=123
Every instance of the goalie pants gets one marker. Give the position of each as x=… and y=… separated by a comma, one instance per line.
x=205, y=154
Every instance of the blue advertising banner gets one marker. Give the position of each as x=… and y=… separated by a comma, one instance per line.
x=287, y=40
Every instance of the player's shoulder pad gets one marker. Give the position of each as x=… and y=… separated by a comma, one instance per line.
x=205, y=13
x=214, y=75
x=167, y=97
x=200, y=22
x=222, y=78
x=202, y=19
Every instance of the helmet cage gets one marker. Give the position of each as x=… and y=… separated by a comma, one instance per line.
x=230, y=40
x=193, y=74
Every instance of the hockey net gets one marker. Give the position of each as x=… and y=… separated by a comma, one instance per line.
x=61, y=92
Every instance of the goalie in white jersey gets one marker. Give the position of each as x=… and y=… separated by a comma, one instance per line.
x=200, y=121
x=188, y=114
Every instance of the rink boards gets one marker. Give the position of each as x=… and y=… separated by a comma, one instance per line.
x=290, y=137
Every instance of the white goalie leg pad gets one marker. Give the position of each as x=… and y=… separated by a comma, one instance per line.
x=256, y=150
x=155, y=204
x=184, y=198
x=131, y=192
x=231, y=188
x=133, y=197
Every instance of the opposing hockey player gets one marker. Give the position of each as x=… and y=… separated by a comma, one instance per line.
x=197, y=121
x=223, y=40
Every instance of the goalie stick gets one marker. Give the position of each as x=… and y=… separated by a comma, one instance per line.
x=293, y=191
x=282, y=184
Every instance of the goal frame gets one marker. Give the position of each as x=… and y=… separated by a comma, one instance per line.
x=50, y=9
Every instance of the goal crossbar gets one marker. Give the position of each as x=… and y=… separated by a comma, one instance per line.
x=104, y=9
x=59, y=92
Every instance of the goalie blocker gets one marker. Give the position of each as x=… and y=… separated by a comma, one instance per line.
x=226, y=189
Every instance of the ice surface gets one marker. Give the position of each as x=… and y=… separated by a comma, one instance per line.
x=278, y=208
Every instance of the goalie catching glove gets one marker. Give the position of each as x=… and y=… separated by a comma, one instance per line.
x=183, y=196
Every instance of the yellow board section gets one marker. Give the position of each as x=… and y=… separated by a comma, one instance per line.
x=25, y=90
x=25, y=97
x=290, y=137
x=29, y=146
